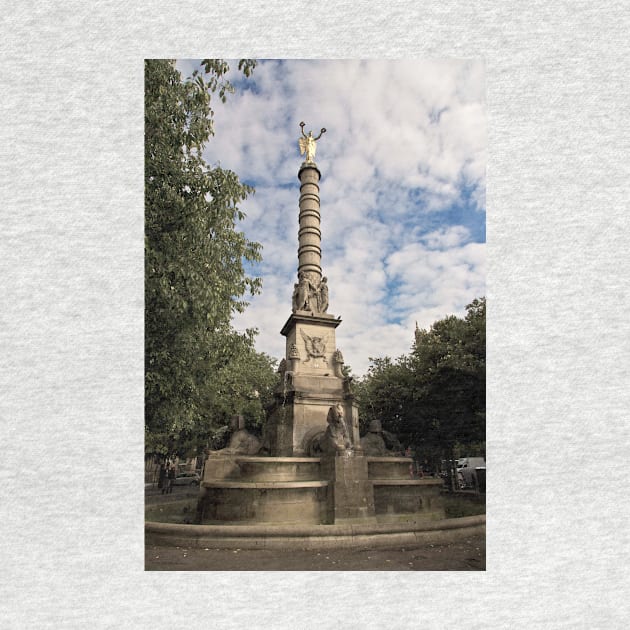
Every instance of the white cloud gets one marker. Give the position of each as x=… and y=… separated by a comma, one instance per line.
x=403, y=181
x=450, y=236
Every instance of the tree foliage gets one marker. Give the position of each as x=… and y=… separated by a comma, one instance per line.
x=434, y=398
x=195, y=362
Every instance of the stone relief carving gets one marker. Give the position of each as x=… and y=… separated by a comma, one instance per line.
x=315, y=347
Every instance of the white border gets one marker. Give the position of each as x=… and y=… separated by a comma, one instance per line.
x=73, y=307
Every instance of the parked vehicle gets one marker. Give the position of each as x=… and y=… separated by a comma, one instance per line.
x=187, y=479
x=466, y=470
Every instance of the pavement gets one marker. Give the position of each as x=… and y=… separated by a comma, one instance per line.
x=468, y=554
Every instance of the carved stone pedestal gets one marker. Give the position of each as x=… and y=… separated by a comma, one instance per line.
x=351, y=494
x=312, y=382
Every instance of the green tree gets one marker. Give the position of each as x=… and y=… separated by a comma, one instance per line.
x=242, y=383
x=384, y=394
x=434, y=399
x=194, y=274
x=449, y=399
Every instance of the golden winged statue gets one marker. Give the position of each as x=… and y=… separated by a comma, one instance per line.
x=307, y=144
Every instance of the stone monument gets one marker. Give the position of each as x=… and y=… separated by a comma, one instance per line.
x=311, y=466
x=312, y=377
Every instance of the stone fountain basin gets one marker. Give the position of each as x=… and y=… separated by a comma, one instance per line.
x=264, y=501
x=283, y=538
x=267, y=469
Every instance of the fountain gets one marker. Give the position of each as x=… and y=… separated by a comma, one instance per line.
x=311, y=478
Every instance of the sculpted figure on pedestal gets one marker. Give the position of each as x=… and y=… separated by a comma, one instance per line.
x=322, y=296
x=338, y=363
x=302, y=293
x=242, y=442
x=309, y=295
x=294, y=305
x=307, y=144
x=379, y=443
x=336, y=438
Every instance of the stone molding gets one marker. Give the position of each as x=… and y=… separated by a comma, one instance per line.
x=278, y=537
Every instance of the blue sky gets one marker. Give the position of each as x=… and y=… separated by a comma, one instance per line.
x=402, y=191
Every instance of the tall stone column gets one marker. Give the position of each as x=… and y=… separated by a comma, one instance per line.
x=310, y=234
x=312, y=370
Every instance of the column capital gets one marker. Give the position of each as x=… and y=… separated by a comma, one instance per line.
x=309, y=165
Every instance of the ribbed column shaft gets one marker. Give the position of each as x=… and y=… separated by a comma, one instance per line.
x=310, y=235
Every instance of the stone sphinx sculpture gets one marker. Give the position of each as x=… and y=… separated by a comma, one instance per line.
x=379, y=443
x=336, y=437
x=242, y=442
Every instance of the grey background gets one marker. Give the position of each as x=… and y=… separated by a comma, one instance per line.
x=72, y=314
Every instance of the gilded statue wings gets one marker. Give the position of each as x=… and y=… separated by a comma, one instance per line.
x=302, y=143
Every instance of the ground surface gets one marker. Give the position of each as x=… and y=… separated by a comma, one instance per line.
x=469, y=554
x=466, y=555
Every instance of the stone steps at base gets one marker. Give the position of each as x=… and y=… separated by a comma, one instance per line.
x=264, y=485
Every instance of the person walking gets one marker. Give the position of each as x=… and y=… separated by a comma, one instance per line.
x=162, y=478
x=171, y=479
